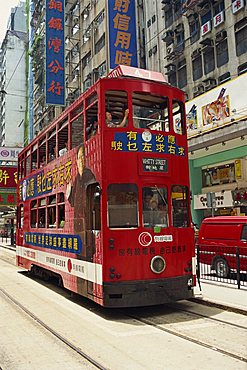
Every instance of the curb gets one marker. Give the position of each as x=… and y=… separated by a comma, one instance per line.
x=221, y=306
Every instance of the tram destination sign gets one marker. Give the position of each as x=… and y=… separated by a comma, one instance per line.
x=154, y=165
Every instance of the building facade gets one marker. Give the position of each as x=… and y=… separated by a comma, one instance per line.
x=13, y=79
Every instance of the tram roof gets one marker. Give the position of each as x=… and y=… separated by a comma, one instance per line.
x=134, y=72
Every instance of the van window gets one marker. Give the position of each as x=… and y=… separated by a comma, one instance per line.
x=244, y=233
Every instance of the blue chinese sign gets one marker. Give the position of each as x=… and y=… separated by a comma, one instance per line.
x=61, y=242
x=55, y=74
x=136, y=142
x=122, y=33
x=44, y=183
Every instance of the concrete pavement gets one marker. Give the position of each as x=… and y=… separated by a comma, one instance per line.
x=225, y=296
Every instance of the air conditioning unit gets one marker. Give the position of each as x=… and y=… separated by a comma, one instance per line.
x=179, y=28
x=220, y=36
x=170, y=49
x=199, y=89
x=170, y=68
x=209, y=83
x=205, y=48
x=168, y=36
x=196, y=53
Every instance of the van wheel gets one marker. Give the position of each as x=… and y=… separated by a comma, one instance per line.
x=221, y=268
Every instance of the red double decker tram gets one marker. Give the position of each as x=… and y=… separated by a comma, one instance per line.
x=103, y=194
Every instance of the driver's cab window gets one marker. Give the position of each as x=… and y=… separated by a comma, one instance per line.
x=150, y=111
x=116, y=109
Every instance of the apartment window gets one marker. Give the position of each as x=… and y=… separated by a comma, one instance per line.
x=86, y=60
x=206, y=17
x=219, y=7
x=194, y=32
x=222, y=56
x=182, y=74
x=149, y=23
x=241, y=37
x=197, y=68
x=172, y=79
x=100, y=44
x=209, y=61
x=242, y=68
x=153, y=18
x=168, y=17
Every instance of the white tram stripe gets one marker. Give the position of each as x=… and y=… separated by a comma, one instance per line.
x=83, y=269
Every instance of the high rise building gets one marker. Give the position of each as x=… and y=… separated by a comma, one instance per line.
x=13, y=79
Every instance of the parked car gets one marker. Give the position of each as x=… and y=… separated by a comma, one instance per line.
x=219, y=241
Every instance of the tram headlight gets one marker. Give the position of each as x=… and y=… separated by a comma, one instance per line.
x=158, y=264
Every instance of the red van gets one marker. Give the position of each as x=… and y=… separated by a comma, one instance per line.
x=218, y=240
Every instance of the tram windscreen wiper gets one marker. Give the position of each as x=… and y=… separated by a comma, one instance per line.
x=161, y=195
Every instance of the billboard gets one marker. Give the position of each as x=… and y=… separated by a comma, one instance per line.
x=9, y=154
x=55, y=62
x=122, y=33
x=218, y=107
x=8, y=183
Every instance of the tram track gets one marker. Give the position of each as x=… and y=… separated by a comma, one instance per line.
x=69, y=344
x=166, y=318
x=199, y=342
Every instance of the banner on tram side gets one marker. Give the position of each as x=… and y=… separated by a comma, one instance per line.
x=55, y=73
x=122, y=33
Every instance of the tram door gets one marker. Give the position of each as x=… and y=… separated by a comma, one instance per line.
x=93, y=228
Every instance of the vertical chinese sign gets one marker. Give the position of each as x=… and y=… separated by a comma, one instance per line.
x=8, y=183
x=55, y=74
x=122, y=33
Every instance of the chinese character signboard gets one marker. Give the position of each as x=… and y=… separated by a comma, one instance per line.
x=218, y=19
x=237, y=5
x=8, y=182
x=205, y=28
x=122, y=33
x=55, y=74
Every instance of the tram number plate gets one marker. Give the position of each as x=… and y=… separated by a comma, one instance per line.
x=154, y=164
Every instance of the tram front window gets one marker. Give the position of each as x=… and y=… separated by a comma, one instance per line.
x=122, y=204
x=150, y=111
x=154, y=206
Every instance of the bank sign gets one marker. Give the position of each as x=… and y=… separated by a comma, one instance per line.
x=122, y=32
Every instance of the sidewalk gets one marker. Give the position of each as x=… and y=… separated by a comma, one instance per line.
x=224, y=296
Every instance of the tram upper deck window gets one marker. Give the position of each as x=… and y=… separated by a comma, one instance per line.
x=178, y=117
x=150, y=111
x=122, y=204
x=116, y=109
